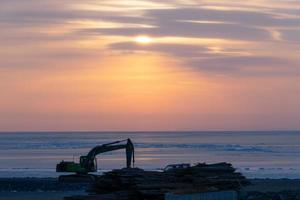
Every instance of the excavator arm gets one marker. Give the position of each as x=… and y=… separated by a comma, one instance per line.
x=90, y=157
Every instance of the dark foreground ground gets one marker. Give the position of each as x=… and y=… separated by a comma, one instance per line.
x=50, y=189
x=38, y=189
x=272, y=189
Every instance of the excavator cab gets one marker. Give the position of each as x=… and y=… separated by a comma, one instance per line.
x=69, y=166
x=92, y=165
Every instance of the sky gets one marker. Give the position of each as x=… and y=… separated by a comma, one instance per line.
x=129, y=65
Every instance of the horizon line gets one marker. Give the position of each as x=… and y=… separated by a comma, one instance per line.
x=144, y=131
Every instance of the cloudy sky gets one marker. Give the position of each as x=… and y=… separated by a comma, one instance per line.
x=149, y=65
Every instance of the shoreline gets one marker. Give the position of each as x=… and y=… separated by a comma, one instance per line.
x=51, y=189
x=52, y=183
x=38, y=188
x=29, y=184
x=38, y=185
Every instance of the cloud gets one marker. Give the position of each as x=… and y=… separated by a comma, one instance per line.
x=291, y=35
x=185, y=29
x=245, y=25
x=205, y=60
x=247, y=18
x=247, y=66
x=173, y=22
x=171, y=49
x=28, y=23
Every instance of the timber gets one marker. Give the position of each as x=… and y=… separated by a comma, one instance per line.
x=138, y=184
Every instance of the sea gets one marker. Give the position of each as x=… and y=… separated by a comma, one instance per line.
x=257, y=154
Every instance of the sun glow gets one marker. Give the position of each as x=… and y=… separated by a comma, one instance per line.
x=143, y=39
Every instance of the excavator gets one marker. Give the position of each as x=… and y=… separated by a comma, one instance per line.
x=88, y=163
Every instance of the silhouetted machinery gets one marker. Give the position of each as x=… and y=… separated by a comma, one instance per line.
x=88, y=163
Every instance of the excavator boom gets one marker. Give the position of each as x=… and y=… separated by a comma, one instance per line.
x=111, y=147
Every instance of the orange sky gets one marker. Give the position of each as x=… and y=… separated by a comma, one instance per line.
x=148, y=65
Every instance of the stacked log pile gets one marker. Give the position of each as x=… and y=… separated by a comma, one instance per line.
x=138, y=184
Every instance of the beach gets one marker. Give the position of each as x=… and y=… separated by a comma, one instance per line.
x=49, y=189
x=37, y=189
x=37, y=195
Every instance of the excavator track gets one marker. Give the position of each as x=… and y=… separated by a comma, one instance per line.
x=77, y=178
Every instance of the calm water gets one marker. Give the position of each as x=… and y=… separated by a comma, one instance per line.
x=257, y=154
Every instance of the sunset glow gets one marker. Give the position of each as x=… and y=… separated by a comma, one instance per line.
x=143, y=39
x=145, y=65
